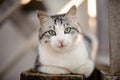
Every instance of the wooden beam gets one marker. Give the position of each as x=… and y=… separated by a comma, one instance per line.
x=9, y=10
x=32, y=75
x=114, y=35
x=69, y=4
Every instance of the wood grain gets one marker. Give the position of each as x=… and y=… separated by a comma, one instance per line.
x=32, y=75
x=114, y=31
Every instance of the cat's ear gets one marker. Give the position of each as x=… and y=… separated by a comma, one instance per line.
x=43, y=17
x=72, y=13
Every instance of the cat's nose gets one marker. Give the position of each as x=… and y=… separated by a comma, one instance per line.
x=61, y=43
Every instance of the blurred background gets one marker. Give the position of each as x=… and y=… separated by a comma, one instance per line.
x=19, y=26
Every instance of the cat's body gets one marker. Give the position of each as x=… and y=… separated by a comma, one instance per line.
x=62, y=48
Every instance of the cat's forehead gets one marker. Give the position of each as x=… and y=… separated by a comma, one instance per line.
x=58, y=18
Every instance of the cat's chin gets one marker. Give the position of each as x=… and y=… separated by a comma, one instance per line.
x=61, y=49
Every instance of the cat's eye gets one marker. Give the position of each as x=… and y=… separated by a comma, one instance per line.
x=52, y=32
x=67, y=30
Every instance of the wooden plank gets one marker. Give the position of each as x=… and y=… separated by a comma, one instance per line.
x=33, y=75
x=112, y=76
x=114, y=35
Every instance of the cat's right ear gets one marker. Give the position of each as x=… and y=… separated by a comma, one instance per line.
x=72, y=13
x=43, y=17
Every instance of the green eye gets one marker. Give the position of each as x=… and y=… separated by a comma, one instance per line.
x=52, y=32
x=67, y=30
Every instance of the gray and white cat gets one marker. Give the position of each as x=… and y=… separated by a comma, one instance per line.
x=62, y=48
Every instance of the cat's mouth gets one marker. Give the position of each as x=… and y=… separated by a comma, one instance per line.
x=61, y=46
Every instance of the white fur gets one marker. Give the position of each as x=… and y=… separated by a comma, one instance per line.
x=73, y=58
x=70, y=56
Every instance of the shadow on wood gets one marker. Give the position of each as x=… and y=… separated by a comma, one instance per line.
x=34, y=75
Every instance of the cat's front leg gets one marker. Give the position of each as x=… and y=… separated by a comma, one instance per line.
x=53, y=70
x=86, y=69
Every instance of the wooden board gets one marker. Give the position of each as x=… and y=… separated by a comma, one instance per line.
x=112, y=76
x=32, y=75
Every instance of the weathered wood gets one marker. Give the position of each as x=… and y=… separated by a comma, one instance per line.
x=112, y=76
x=33, y=75
x=114, y=31
x=106, y=75
x=112, y=72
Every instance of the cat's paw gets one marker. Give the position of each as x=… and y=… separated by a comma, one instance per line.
x=52, y=70
x=86, y=69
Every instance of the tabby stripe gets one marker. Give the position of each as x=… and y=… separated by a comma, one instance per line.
x=76, y=30
x=37, y=63
x=53, y=27
x=64, y=25
x=40, y=37
x=55, y=22
x=61, y=21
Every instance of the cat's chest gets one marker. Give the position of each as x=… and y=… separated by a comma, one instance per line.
x=73, y=59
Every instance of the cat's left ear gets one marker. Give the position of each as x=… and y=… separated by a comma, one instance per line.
x=72, y=13
x=43, y=18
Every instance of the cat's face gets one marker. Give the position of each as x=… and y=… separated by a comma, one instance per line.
x=59, y=32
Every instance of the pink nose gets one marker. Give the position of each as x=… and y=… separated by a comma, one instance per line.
x=61, y=43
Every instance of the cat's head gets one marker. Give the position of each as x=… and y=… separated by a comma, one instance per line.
x=59, y=32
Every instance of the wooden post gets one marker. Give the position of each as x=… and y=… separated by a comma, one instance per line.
x=112, y=73
x=114, y=35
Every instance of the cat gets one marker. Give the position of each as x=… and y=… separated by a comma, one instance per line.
x=62, y=46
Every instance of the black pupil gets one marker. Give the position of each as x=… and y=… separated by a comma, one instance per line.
x=68, y=29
